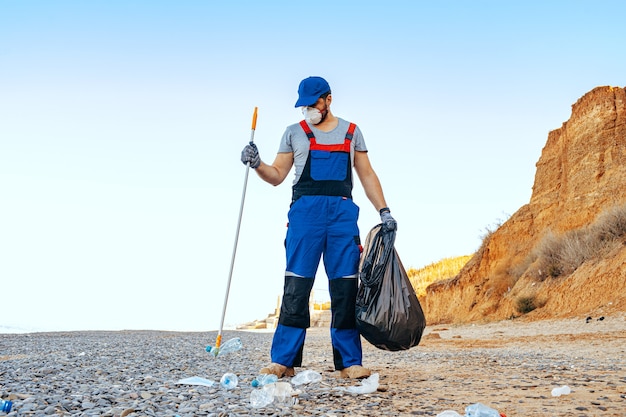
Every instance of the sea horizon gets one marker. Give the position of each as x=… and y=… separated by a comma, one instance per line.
x=9, y=329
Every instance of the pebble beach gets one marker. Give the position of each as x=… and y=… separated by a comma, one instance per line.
x=511, y=366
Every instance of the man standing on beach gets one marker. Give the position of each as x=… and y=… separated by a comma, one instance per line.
x=322, y=220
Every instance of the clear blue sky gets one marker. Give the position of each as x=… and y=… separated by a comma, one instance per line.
x=121, y=125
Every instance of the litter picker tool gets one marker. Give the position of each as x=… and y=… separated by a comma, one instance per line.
x=218, y=341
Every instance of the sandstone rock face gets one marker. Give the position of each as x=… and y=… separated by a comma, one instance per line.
x=581, y=173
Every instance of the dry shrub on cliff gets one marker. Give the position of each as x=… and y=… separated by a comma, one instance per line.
x=611, y=224
x=526, y=304
x=548, y=252
x=437, y=271
x=563, y=254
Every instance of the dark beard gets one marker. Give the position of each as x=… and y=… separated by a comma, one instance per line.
x=324, y=114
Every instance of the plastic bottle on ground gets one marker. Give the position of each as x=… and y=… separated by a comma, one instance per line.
x=563, y=390
x=264, y=379
x=229, y=380
x=231, y=345
x=306, y=377
x=276, y=392
x=261, y=398
x=5, y=406
x=480, y=410
x=283, y=392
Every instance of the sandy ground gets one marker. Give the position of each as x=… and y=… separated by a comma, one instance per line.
x=511, y=366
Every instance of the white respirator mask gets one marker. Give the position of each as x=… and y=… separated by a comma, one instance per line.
x=312, y=115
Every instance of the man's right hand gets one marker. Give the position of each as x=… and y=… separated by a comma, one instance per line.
x=250, y=155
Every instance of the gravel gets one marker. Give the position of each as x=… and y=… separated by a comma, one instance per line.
x=509, y=366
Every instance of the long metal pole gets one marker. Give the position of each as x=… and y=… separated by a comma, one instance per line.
x=218, y=341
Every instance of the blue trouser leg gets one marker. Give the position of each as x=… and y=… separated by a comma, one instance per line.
x=346, y=340
x=287, y=345
x=320, y=225
x=293, y=321
x=347, y=349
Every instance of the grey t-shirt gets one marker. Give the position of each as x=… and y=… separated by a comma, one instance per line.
x=295, y=140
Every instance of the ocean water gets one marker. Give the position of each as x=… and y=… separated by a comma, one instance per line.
x=15, y=329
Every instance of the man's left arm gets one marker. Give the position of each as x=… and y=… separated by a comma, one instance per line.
x=369, y=180
x=373, y=189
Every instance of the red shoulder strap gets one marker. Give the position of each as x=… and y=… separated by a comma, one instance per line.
x=350, y=132
x=307, y=129
x=344, y=147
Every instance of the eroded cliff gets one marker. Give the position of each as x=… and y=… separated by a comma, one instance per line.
x=580, y=174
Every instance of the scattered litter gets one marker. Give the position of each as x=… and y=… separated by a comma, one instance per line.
x=367, y=386
x=229, y=380
x=5, y=406
x=563, y=390
x=481, y=410
x=196, y=380
x=263, y=379
x=230, y=346
x=277, y=392
x=474, y=410
x=449, y=413
x=306, y=377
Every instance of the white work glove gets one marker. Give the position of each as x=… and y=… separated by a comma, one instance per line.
x=250, y=155
x=389, y=223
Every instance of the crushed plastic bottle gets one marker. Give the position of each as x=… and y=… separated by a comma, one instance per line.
x=283, y=393
x=277, y=392
x=261, y=398
x=306, y=377
x=563, y=390
x=449, y=413
x=5, y=406
x=264, y=379
x=229, y=380
x=480, y=410
x=231, y=345
x=367, y=386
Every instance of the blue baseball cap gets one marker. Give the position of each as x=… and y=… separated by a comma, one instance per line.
x=310, y=90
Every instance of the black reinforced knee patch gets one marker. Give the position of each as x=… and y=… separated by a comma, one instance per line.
x=343, y=302
x=294, y=310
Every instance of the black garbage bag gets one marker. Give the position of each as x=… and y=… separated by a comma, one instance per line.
x=388, y=314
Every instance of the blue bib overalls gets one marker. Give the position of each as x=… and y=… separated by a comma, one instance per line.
x=322, y=221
